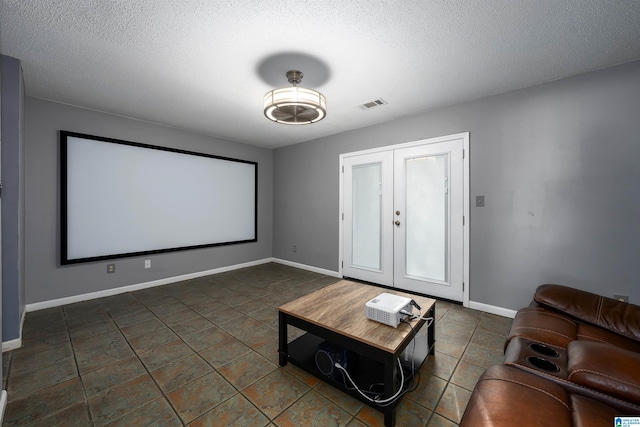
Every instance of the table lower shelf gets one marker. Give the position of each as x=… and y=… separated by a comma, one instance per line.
x=375, y=371
x=366, y=373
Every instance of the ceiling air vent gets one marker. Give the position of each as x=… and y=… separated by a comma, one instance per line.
x=376, y=103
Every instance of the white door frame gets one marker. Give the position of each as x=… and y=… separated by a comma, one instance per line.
x=464, y=136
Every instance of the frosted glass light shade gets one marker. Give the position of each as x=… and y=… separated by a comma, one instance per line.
x=295, y=105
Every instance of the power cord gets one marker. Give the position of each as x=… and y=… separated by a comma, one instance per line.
x=414, y=317
x=402, y=390
x=415, y=374
x=378, y=401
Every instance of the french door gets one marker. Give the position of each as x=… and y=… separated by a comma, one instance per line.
x=403, y=216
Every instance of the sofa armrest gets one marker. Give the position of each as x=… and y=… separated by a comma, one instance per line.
x=507, y=397
x=619, y=317
x=605, y=368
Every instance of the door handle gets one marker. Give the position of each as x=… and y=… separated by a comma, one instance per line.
x=397, y=223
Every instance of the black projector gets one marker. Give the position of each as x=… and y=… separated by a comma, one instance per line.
x=328, y=354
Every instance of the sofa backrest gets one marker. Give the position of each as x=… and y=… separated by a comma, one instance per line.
x=616, y=316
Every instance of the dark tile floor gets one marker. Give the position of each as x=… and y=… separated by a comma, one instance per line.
x=203, y=352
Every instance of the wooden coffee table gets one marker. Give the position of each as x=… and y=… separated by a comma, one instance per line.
x=337, y=314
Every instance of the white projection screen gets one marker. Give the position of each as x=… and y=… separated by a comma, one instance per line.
x=121, y=199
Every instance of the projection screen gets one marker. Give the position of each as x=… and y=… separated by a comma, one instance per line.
x=121, y=199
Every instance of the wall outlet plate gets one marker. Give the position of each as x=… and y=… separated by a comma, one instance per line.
x=111, y=268
x=479, y=201
x=621, y=298
x=147, y=263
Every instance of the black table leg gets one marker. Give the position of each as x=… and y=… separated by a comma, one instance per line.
x=282, y=338
x=390, y=389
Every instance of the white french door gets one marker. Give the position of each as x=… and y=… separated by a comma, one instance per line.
x=403, y=212
x=368, y=194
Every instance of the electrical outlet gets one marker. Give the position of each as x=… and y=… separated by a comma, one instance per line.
x=111, y=268
x=622, y=298
x=147, y=263
x=295, y=249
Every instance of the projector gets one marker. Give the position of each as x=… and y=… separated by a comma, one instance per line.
x=385, y=308
x=328, y=354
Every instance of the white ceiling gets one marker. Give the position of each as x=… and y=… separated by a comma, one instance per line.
x=204, y=65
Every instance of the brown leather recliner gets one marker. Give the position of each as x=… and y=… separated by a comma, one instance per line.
x=586, y=343
x=571, y=359
x=506, y=397
x=560, y=314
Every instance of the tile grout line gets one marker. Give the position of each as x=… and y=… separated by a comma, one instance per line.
x=165, y=395
x=238, y=392
x=75, y=359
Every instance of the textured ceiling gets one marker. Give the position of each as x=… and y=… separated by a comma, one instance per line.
x=204, y=65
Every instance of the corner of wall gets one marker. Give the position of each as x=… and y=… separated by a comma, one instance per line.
x=13, y=197
x=16, y=343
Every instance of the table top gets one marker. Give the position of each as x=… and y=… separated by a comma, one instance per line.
x=341, y=308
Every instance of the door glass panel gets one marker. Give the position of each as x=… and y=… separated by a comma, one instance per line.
x=426, y=217
x=366, y=216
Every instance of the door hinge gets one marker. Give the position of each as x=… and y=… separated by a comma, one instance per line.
x=463, y=153
x=343, y=169
x=462, y=220
x=462, y=286
x=342, y=264
x=343, y=216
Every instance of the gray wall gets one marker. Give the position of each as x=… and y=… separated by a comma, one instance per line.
x=45, y=278
x=1, y=288
x=12, y=198
x=557, y=164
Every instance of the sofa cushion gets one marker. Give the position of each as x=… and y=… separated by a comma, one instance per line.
x=507, y=397
x=589, y=332
x=605, y=368
x=586, y=412
x=504, y=396
x=619, y=317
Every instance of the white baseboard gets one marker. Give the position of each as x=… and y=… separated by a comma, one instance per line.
x=3, y=404
x=500, y=311
x=17, y=343
x=11, y=345
x=504, y=312
x=109, y=292
x=307, y=267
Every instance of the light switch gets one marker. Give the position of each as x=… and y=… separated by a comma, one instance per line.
x=479, y=201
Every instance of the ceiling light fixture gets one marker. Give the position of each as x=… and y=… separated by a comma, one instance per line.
x=295, y=105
